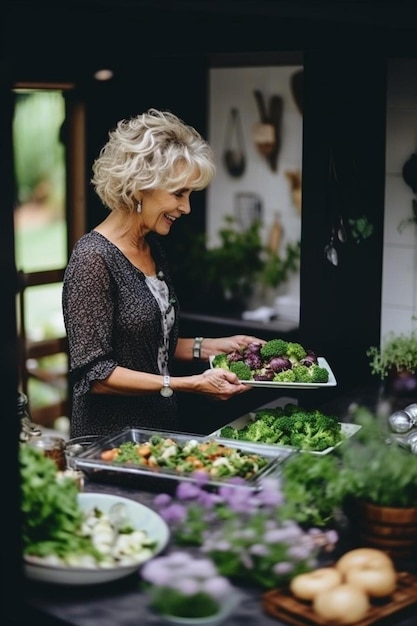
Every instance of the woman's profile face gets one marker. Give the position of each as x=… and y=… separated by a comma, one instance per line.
x=161, y=208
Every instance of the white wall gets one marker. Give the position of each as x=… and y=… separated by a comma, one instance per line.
x=233, y=88
x=399, y=285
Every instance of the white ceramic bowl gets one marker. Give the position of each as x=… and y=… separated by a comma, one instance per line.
x=141, y=517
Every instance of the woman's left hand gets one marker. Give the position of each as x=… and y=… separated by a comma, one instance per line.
x=235, y=342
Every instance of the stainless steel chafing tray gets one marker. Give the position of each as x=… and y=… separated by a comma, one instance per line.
x=162, y=478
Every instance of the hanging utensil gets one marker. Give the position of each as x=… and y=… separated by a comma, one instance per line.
x=341, y=231
x=331, y=252
x=234, y=152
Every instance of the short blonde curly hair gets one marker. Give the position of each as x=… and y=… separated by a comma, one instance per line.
x=154, y=150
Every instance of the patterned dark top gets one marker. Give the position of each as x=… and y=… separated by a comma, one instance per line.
x=112, y=318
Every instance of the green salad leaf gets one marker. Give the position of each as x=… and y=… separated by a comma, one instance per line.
x=51, y=516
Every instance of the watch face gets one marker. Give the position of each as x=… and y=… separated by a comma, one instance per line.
x=166, y=392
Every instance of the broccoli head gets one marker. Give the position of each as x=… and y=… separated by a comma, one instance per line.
x=302, y=374
x=220, y=360
x=273, y=347
x=319, y=374
x=268, y=416
x=228, y=432
x=287, y=376
x=261, y=432
x=241, y=369
x=295, y=351
x=315, y=430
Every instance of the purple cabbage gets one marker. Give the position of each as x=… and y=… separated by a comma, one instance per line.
x=234, y=356
x=254, y=361
x=253, y=348
x=279, y=364
x=265, y=374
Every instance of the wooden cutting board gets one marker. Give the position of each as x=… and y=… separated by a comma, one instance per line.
x=280, y=603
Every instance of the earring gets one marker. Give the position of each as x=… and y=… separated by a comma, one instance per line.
x=139, y=207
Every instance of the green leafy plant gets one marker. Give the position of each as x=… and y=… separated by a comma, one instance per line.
x=241, y=260
x=317, y=489
x=397, y=353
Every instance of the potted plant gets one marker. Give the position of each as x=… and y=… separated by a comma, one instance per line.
x=242, y=260
x=188, y=590
x=395, y=362
x=372, y=483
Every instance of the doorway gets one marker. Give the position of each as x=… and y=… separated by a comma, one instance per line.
x=48, y=130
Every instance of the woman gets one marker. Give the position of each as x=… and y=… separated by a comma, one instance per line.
x=119, y=304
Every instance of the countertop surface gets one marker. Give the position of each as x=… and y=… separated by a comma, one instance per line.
x=122, y=603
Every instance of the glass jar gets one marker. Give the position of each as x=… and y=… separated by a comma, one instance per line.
x=52, y=447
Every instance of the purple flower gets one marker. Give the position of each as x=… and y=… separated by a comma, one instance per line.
x=218, y=587
x=162, y=499
x=156, y=572
x=299, y=552
x=174, y=513
x=270, y=494
x=283, y=568
x=185, y=586
x=201, y=568
x=259, y=549
x=187, y=491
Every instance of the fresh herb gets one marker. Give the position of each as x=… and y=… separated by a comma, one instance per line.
x=51, y=517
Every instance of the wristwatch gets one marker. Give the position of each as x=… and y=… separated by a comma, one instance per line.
x=166, y=391
x=197, y=347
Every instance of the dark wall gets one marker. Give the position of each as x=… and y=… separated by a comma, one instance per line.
x=161, y=54
x=343, y=176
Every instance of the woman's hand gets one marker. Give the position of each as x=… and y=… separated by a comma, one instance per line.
x=219, y=384
x=229, y=344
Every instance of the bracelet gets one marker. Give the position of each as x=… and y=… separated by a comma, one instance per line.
x=197, y=347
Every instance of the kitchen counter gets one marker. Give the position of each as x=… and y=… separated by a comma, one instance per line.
x=122, y=603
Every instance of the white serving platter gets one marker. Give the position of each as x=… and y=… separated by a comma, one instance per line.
x=273, y=385
x=347, y=430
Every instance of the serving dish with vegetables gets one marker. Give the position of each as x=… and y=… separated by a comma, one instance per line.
x=159, y=459
x=277, y=363
x=74, y=538
x=301, y=429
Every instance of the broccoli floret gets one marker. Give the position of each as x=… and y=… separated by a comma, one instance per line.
x=319, y=374
x=290, y=408
x=302, y=374
x=273, y=347
x=315, y=431
x=295, y=351
x=261, y=432
x=241, y=369
x=220, y=360
x=228, y=432
x=268, y=416
x=285, y=423
x=287, y=376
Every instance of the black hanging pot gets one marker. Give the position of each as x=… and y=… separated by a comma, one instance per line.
x=234, y=154
x=410, y=172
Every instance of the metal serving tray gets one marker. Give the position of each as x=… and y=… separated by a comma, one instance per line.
x=163, y=479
